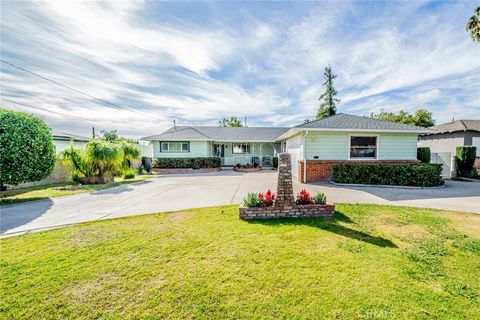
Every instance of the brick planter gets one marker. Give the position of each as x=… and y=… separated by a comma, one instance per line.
x=285, y=206
x=296, y=211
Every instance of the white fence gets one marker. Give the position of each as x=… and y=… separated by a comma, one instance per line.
x=447, y=160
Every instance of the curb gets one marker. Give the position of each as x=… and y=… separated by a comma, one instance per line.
x=382, y=186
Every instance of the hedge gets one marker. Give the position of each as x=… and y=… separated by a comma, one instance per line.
x=411, y=174
x=464, y=160
x=424, y=154
x=194, y=163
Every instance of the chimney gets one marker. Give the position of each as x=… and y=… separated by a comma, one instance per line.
x=174, y=124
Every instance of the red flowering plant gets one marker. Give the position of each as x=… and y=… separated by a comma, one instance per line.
x=304, y=197
x=267, y=198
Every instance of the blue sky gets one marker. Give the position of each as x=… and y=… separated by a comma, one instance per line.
x=198, y=62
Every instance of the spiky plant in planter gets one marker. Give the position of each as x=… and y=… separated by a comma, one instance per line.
x=319, y=198
x=304, y=197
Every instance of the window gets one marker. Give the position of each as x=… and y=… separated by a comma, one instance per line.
x=242, y=148
x=175, y=147
x=363, y=147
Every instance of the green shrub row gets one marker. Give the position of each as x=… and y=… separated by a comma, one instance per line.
x=194, y=163
x=412, y=174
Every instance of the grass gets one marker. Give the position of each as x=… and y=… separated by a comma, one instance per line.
x=369, y=262
x=48, y=191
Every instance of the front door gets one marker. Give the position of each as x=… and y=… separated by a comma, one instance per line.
x=219, y=150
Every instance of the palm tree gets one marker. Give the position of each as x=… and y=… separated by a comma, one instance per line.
x=473, y=25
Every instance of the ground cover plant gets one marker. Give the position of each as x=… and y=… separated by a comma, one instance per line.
x=53, y=190
x=368, y=262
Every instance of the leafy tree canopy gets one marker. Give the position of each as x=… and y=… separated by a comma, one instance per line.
x=473, y=25
x=27, y=152
x=230, y=122
x=328, y=100
x=421, y=117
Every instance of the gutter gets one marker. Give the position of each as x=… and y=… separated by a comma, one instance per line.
x=304, y=158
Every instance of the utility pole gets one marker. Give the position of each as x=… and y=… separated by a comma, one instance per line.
x=245, y=121
x=93, y=132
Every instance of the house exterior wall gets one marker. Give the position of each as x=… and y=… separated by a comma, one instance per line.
x=324, y=149
x=448, y=142
x=61, y=145
x=197, y=149
x=336, y=145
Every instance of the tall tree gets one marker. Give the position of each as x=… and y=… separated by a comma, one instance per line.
x=328, y=102
x=230, y=122
x=473, y=25
x=110, y=136
x=421, y=117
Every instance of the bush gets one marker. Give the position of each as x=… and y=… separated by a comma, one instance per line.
x=195, y=163
x=464, y=160
x=319, y=198
x=413, y=174
x=304, y=197
x=129, y=174
x=98, y=162
x=251, y=200
x=27, y=152
x=275, y=162
x=424, y=155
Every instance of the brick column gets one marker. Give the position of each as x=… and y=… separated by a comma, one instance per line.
x=285, y=198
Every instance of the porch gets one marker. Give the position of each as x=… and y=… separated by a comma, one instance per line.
x=233, y=153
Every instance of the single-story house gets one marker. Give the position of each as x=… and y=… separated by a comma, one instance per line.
x=314, y=146
x=448, y=136
x=62, y=140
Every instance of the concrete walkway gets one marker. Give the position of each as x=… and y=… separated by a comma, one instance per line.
x=178, y=192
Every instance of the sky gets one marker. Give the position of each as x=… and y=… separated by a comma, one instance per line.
x=197, y=62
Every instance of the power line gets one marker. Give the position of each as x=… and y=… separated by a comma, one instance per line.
x=43, y=109
x=75, y=90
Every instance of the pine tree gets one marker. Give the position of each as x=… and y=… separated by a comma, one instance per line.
x=328, y=101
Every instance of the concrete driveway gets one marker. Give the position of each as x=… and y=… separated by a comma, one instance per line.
x=177, y=192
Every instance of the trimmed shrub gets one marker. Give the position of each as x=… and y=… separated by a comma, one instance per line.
x=181, y=163
x=275, y=162
x=424, y=154
x=27, y=152
x=464, y=160
x=411, y=174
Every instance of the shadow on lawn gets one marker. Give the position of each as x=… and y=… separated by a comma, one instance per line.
x=331, y=225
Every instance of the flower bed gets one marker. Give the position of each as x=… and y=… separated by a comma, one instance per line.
x=247, y=169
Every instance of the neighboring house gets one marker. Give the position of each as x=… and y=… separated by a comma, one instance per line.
x=314, y=146
x=448, y=136
x=62, y=140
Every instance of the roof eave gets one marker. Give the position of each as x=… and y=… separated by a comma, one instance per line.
x=296, y=130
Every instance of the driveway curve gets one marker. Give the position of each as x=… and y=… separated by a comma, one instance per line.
x=178, y=192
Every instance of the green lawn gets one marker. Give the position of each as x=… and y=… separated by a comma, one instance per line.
x=369, y=262
x=51, y=190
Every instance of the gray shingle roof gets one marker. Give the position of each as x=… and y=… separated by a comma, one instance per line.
x=243, y=134
x=56, y=135
x=348, y=121
x=458, y=125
